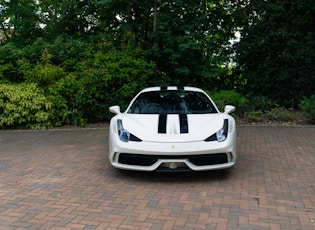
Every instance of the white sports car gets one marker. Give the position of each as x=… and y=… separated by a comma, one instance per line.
x=172, y=128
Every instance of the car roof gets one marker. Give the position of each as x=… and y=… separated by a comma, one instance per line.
x=160, y=88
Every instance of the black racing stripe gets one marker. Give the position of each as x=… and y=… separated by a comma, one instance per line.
x=162, y=123
x=183, y=123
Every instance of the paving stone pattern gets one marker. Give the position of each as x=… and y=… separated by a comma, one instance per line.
x=62, y=180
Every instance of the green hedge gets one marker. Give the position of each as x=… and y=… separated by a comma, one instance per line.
x=229, y=97
x=24, y=105
x=308, y=106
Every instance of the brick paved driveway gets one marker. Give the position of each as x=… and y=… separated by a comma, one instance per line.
x=61, y=179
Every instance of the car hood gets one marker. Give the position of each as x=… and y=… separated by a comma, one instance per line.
x=173, y=127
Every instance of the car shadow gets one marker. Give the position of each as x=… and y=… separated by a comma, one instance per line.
x=172, y=177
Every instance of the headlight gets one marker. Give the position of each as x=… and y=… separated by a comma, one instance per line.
x=124, y=135
x=221, y=135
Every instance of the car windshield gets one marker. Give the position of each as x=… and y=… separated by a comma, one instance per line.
x=172, y=102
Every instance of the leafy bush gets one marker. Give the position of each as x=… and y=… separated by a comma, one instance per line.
x=261, y=108
x=84, y=92
x=24, y=105
x=254, y=116
x=308, y=106
x=60, y=87
x=64, y=94
x=260, y=103
x=231, y=97
x=44, y=74
x=110, y=77
x=279, y=114
x=9, y=57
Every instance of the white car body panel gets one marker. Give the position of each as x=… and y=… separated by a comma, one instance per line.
x=172, y=149
x=145, y=127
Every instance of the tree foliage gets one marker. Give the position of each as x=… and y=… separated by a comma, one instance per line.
x=277, y=49
x=87, y=55
x=190, y=46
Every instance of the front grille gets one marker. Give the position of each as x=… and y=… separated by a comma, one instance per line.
x=137, y=159
x=148, y=160
x=209, y=159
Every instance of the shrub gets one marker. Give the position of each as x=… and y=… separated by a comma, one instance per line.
x=24, y=105
x=308, y=106
x=231, y=97
x=107, y=77
x=110, y=77
x=64, y=96
x=257, y=103
x=279, y=114
x=9, y=58
x=254, y=116
x=44, y=73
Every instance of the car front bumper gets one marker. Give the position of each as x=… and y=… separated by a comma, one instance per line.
x=156, y=156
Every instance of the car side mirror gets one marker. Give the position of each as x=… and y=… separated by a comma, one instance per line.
x=115, y=109
x=229, y=109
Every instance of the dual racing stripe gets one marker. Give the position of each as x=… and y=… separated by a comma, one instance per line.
x=163, y=88
x=183, y=123
x=162, y=123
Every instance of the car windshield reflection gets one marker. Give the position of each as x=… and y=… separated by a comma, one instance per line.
x=172, y=102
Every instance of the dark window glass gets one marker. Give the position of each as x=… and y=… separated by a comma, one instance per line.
x=172, y=102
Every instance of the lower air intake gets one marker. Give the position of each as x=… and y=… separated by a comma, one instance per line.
x=148, y=160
